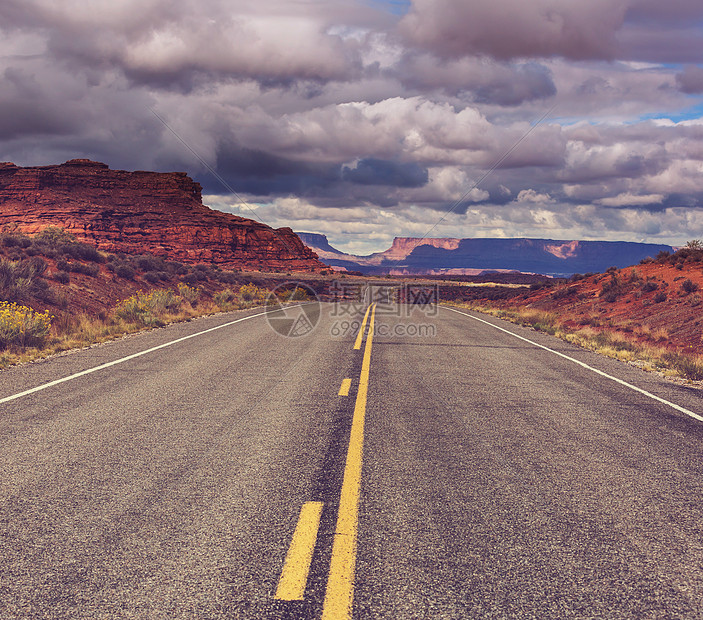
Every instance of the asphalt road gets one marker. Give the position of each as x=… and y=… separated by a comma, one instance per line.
x=468, y=473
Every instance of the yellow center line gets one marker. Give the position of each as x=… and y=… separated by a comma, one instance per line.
x=344, y=389
x=294, y=577
x=360, y=335
x=339, y=596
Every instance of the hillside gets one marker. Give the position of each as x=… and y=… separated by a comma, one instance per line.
x=75, y=295
x=450, y=256
x=656, y=305
x=134, y=212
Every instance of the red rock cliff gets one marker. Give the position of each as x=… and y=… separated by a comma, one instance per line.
x=136, y=212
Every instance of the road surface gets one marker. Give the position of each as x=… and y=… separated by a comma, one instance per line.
x=466, y=468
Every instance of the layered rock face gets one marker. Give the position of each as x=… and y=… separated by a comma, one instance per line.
x=144, y=212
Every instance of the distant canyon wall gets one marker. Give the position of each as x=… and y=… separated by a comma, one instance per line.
x=416, y=256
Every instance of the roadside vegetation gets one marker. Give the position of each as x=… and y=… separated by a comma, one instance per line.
x=45, y=278
x=636, y=344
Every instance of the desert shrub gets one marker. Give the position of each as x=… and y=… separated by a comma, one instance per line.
x=649, y=285
x=634, y=277
x=537, y=286
x=297, y=294
x=15, y=240
x=22, y=326
x=35, y=266
x=41, y=289
x=189, y=293
x=125, y=270
x=190, y=278
x=20, y=280
x=250, y=293
x=82, y=251
x=132, y=309
x=612, y=289
x=54, y=236
x=152, y=276
x=163, y=276
x=150, y=263
x=227, y=277
x=225, y=299
x=689, y=367
x=177, y=268
x=663, y=256
x=62, y=276
x=678, y=266
x=84, y=268
x=695, y=301
x=564, y=292
x=63, y=265
x=162, y=300
x=660, y=297
x=688, y=286
x=613, y=341
x=692, y=253
x=146, y=308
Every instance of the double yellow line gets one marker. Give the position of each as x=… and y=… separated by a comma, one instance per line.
x=339, y=596
x=340, y=583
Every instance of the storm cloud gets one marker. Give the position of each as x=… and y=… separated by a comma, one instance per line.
x=553, y=118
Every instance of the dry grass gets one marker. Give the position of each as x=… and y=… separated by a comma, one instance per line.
x=627, y=342
x=144, y=311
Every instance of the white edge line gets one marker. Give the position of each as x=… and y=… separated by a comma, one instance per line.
x=591, y=368
x=44, y=386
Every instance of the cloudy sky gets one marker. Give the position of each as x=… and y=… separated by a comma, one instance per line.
x=369, y=119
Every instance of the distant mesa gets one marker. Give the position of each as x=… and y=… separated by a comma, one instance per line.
x=144, y=212
x=449, y=256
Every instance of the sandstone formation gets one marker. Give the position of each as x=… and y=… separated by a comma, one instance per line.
x=144, y=212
